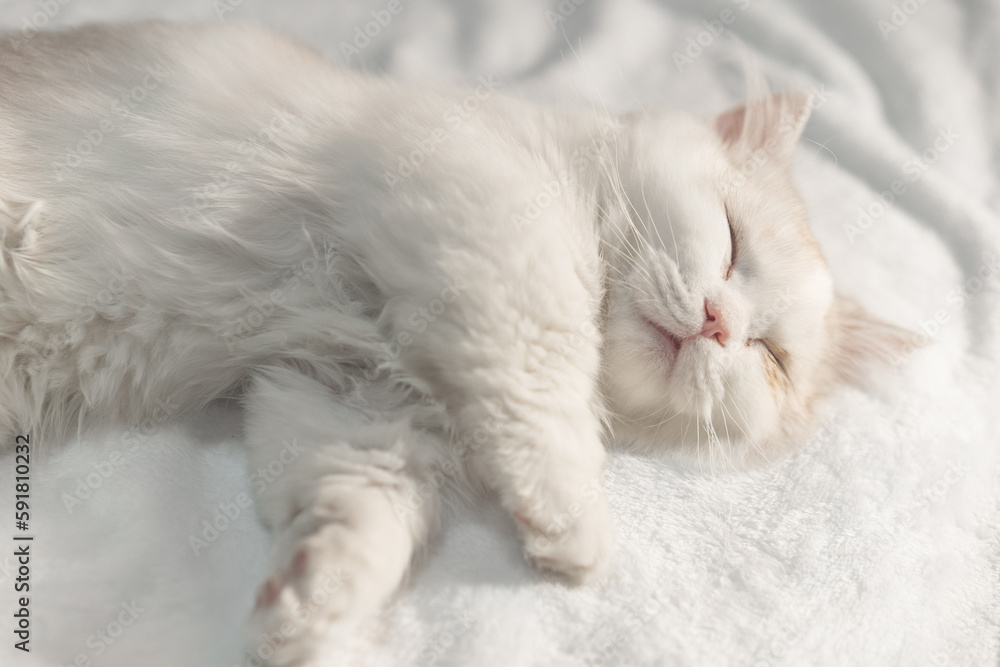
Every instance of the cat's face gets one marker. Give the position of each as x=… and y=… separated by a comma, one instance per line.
x=723, y=328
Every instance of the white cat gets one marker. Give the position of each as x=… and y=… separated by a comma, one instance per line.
x=416, y=289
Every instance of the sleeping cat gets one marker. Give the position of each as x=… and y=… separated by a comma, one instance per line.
x=418, y=290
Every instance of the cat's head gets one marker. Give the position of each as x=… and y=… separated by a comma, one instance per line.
x=723, y=328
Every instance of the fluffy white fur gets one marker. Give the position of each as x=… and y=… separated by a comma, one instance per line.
x=422, y=289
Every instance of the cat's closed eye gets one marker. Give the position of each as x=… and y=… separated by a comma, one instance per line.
x=732, y=245
x=773, y=351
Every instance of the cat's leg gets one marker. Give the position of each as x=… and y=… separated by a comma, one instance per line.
x=543, y=454
x=352, y=504
x=516, y=361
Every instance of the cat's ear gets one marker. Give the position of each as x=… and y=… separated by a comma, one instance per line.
x=862, y=344
x=764, y=128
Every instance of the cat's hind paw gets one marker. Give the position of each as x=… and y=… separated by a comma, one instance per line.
x=297, y=609
x=337, y=563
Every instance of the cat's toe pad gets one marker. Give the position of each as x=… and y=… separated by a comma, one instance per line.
x=303, y=603
x=269, y=591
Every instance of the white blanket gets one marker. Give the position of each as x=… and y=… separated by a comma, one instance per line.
x=877, y=544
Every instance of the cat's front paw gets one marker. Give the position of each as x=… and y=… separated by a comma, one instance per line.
x=571, y=537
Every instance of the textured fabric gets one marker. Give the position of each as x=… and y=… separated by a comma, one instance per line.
x=877, y=544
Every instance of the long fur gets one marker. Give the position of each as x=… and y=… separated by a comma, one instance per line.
x=412, y=289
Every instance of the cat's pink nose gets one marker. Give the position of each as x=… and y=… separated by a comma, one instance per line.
x=714, y=326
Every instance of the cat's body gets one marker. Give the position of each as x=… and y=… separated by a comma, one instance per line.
x=418, y=288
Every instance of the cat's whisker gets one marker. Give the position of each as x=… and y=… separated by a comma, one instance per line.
x=306, y=281
x=617, y=191
x=666, y=285
x=613, y=184
x=618, y=281
x=688, y=425
x=739, y=410
x=825, y=148
x=627, y=205
x=697, y=449
x=697, y=452
x=652, y=415
x=610, y=171
x=642, y=263
x=638, y=101
x=697, y=434
x=670, y=226
x=615, y=250
x=634, y=252
x=664, y=421
x=750, y=440
x=730, y=391
x=714, y=442
x=728, y=415
x=649, y=213
x=671, y=299
x=725, y=423
x=586, y=71
x=646, y=223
